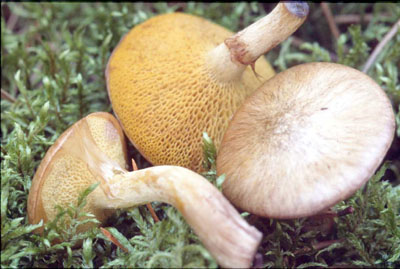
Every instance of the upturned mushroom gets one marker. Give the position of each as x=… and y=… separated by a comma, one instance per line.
x=176, y=76
x=305, y=140
x=93, y=150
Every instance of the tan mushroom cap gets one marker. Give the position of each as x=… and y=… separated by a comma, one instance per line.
x=164, y=93
x=305, y=140
x=61, y=177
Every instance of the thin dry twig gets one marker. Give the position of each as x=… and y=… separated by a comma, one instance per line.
x=297, y=41
x=354, y=18
x=389, y=35
x=324, y=221
x=324, y=244
x=112, y=239
x=318, y=246
x=12, y=21
x=152, y=212
x=331, y=22
x=7, y=96
x=343, y=265
x=332, y=214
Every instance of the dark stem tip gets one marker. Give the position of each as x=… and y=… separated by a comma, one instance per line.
x=299, y=9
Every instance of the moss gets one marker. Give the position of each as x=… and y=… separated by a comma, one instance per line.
x=53, y=57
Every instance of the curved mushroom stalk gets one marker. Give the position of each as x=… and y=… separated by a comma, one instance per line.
x=83, y=156
x=219, y=226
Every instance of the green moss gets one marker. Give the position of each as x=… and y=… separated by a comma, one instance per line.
x=53, y=57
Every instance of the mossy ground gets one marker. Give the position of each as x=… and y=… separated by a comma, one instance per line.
x=53, y=57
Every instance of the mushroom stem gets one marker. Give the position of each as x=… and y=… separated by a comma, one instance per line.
x=231, y=57
x=149, y=207
x=219, y=226
x=228, y=237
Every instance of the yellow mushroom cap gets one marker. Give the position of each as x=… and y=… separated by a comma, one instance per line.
x=305, y=140
x=164, y=92
x=61, y=176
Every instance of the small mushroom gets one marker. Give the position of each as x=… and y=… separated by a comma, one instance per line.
x=93, y=150
x=176, y=76
x=305, y=140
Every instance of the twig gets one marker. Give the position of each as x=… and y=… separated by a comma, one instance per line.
x=7, y=96
x=149, y=207
x=389, y=35
x=346, y=211
x=12, y=21
x=343, y=265
x=331, y=214
x=112, y=239
x=354, y=18
x=152, y=212
x=331, y=22
x=318, y=246
x=297, y=41
x=324, y=244
x=325, y=220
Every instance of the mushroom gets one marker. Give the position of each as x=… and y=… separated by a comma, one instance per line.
x=93, y=150
x=176, y=76
x=305, y=140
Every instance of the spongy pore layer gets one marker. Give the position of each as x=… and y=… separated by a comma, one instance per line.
x=164, y=93
x=63, y=175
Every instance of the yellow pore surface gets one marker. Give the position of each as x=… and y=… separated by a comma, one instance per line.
x=66, y=176
x=164, y=93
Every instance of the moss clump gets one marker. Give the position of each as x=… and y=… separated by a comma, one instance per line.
x=53, y=57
